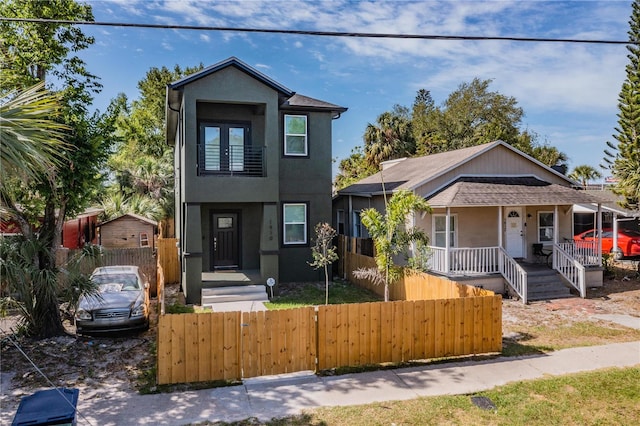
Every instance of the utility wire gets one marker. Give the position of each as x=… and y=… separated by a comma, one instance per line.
x=15, y=343
x=320, y=33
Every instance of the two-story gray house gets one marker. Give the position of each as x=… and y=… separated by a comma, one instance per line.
x=252, y=174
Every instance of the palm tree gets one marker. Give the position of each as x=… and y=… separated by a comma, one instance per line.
x=391, y=237
x=584, y=174
x=30, y=139
x=390, y=138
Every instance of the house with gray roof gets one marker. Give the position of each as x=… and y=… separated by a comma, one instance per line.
x=497, y=212
x=252, y=176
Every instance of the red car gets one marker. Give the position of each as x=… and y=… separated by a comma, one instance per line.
x=628, y=241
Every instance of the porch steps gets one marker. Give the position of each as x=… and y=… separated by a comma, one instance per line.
x=545, y=285
x=238, y=293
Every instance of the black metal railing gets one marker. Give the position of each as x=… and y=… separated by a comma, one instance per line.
x=231, y=161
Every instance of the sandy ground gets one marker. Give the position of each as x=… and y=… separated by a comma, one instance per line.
x=98, y=366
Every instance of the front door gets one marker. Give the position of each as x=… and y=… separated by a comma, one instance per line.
x=224, y=241
x=514, y=235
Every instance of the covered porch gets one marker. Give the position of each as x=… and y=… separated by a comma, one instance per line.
x=488, y=227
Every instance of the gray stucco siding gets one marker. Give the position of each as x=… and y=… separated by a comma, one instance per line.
x=231, y=95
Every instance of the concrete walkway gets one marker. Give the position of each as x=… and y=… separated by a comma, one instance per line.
x=268, y=397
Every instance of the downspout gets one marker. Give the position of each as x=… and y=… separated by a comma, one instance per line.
x=599, y=234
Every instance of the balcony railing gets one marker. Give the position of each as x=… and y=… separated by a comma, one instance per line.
x=243, y=160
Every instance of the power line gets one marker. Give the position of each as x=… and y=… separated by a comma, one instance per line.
x=319, y=33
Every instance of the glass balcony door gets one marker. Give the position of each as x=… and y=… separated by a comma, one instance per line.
x=223, y=147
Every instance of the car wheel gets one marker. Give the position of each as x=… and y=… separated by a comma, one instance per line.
x=617, y=254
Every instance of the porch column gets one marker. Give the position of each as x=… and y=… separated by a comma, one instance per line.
x=192, y=253
x=556, y=224
x=500, y=243
x=447, y=243
x=599, y=227
x=615, y=232
x=269, y=242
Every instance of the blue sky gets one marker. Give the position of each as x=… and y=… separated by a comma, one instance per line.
x=568, y=91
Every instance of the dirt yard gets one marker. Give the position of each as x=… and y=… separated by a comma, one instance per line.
x=102, y=366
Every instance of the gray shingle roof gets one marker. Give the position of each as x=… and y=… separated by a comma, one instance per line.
x=495, y=191
x=411, y=172
x=304, y=102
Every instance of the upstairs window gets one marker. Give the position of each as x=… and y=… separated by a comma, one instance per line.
x=295, y=223
x=144, y=239
x=295, y=135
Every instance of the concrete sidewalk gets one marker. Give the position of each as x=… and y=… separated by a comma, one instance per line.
x=268, y=397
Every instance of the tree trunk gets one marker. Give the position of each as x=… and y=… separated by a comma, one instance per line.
x=48, y=322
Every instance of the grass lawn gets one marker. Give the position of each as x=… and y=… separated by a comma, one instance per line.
x=296, y=295
x=605, y=397
x=547, y=338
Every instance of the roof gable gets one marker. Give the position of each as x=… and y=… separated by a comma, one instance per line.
x=232, y=62
x=412, y=173
x=131, y=216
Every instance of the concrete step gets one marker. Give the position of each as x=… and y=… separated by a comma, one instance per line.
x=251, y=293
x=546, y=286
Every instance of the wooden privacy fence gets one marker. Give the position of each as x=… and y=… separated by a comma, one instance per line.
x=235, y=345
x=418, y=286
x=168, y=259
x=232, y=345
x=142, y=257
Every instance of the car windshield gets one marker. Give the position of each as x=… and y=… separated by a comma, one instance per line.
x=116, y=282
x=631, y=233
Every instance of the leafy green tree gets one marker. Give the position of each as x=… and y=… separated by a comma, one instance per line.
x=424, y=117
x=324, y=253
x=623, y=156
x=392, y=236
x=352, y=169
x=473, y=115
x=33, y=52
x=142, y=162
x=584, y=173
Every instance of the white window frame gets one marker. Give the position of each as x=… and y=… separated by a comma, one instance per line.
x=549, y=228
x=144, y=239
x=305, y=135
x=454, y=231
x=285, y=223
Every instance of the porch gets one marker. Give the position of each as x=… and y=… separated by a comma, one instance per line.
x=231, y=277
x=571, y=265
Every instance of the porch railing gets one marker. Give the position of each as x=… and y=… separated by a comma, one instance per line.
x=464, y=261
x=437, y=260
x=585, y=252
x=570, y=268
x=513, y=273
